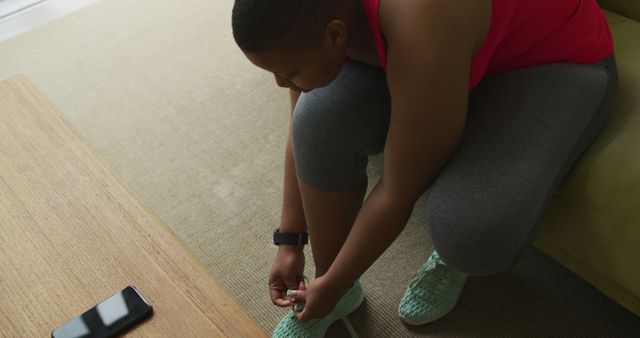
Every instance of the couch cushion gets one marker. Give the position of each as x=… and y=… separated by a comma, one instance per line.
x=628, y=8
x=593, y=223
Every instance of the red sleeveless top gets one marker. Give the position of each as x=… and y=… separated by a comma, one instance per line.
x=525, y=33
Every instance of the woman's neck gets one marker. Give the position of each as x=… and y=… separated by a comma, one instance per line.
x=360, y=35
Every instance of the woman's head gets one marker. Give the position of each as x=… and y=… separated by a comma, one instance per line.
x=303, y=42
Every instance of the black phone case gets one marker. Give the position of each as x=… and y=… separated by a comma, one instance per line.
x=141, y=308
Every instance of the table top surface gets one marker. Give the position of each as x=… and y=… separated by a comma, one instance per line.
x=72, y=233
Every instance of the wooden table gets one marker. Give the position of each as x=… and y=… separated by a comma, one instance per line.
x=72, y=233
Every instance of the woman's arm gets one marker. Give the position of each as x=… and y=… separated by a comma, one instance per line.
x=292, y=219
x=430, y=46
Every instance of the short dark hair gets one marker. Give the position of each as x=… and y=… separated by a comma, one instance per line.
x=259, y=25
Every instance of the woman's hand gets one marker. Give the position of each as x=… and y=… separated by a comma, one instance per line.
x=319, y=298
x=286, y=272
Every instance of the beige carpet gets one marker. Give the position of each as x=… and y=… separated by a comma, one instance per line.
x=159, y=88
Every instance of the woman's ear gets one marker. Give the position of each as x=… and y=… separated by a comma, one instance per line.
x=336, y=32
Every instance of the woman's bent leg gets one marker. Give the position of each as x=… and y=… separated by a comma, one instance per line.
x=525, y=130
x=335, y=129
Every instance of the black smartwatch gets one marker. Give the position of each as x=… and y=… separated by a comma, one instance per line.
x=289, y=238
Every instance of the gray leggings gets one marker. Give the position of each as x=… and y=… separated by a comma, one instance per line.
x=524, y=131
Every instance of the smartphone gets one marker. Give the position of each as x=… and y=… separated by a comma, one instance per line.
x=113, y=316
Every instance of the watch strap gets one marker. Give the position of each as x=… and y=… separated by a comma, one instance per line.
x=290, y=238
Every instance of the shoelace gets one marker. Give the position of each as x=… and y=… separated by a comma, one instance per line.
x=352, y=331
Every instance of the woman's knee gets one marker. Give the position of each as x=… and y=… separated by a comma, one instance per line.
x=336, y=127
x=324, y=157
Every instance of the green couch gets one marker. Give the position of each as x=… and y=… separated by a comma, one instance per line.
x=593, y=223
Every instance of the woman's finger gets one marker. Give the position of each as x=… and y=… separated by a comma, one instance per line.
x=297, y=295
x=302, y=315
x=278, y=299
x=305, y=315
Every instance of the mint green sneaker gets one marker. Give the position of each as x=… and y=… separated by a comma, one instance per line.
x=432, y=293
x=291, y=327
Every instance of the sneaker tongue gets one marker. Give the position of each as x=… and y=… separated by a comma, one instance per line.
x=431, y=274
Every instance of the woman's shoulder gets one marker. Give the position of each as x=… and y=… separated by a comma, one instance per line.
x=468, y=20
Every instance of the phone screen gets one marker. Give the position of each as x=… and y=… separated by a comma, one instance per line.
x=111, y=317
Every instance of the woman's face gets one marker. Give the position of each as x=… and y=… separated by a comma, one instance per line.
x=302, y=70
x=307, y=68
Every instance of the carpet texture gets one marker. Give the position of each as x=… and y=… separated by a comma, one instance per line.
x=161, y=91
